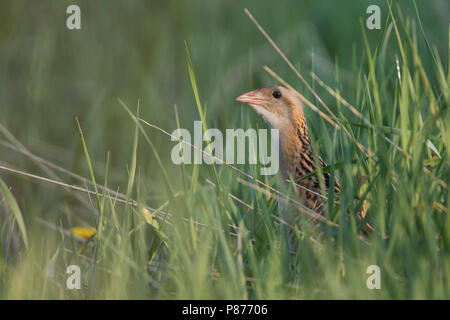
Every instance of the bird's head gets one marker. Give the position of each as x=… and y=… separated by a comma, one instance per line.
x=278, y=105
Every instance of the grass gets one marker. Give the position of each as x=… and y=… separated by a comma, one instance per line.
x=213, y=231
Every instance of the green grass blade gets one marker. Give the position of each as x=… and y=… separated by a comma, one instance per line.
x=14, y=207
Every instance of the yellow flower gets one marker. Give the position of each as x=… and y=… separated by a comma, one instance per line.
x=147, y=215
x=83, y=232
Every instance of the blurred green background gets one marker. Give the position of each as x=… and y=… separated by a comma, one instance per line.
x=135, y=50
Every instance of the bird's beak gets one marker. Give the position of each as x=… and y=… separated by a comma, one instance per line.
x=252, y=98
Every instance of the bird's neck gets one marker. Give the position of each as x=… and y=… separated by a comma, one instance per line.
x=295, y=145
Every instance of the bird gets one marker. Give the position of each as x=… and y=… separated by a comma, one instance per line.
x=281, y=109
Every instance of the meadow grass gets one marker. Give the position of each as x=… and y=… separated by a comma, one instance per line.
x=213, y=231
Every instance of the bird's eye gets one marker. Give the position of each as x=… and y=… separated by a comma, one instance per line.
x=276, y=94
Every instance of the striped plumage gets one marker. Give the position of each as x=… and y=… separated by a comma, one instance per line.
x=296, y=149
x=282, y=110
